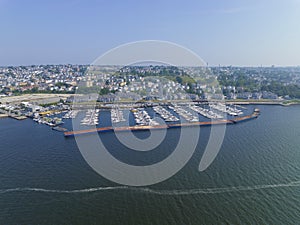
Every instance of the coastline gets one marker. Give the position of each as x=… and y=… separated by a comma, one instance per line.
x=264, y=102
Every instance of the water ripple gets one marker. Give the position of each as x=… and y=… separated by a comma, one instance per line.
x=158, y=192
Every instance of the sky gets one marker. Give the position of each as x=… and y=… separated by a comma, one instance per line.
x=221, y=32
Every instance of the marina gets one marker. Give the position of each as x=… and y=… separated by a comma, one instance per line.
x=117, y=115
x=206, y=112
x=230, y=110
x=165, y=114
x=184, y=113
x=142, y=118
x=91, y=118
x=52, y=122
x=150, y=112
x=71, y=114
x=140, y=127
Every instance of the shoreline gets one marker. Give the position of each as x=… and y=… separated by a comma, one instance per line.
x=263, y=102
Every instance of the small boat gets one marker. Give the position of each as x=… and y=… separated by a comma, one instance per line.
x=60, y=129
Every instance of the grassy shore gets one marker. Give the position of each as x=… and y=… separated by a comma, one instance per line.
x=264, y=102
x=291, y=102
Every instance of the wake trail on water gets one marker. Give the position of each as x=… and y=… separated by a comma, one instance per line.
x=157, y=192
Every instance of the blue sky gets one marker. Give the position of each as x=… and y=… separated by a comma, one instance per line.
x=232, y=32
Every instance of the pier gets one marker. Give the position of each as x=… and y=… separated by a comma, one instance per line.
x=17, y=117
x=3, y=115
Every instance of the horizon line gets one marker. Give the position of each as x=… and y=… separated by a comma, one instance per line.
x=213, y=65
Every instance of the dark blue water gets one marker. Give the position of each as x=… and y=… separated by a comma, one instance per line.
x=255, y=178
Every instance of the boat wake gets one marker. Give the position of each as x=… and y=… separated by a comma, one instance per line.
x=158, y=192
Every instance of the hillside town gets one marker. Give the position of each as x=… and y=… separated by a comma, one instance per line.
x=152, y=82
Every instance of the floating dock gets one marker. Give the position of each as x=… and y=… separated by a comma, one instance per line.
x=16, y=117
x=254, y=115
x=3, y=115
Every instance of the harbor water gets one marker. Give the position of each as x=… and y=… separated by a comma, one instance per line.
x=255, y=178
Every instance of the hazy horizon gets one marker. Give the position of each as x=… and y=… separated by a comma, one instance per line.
x=212, y=66
x=237, y=33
